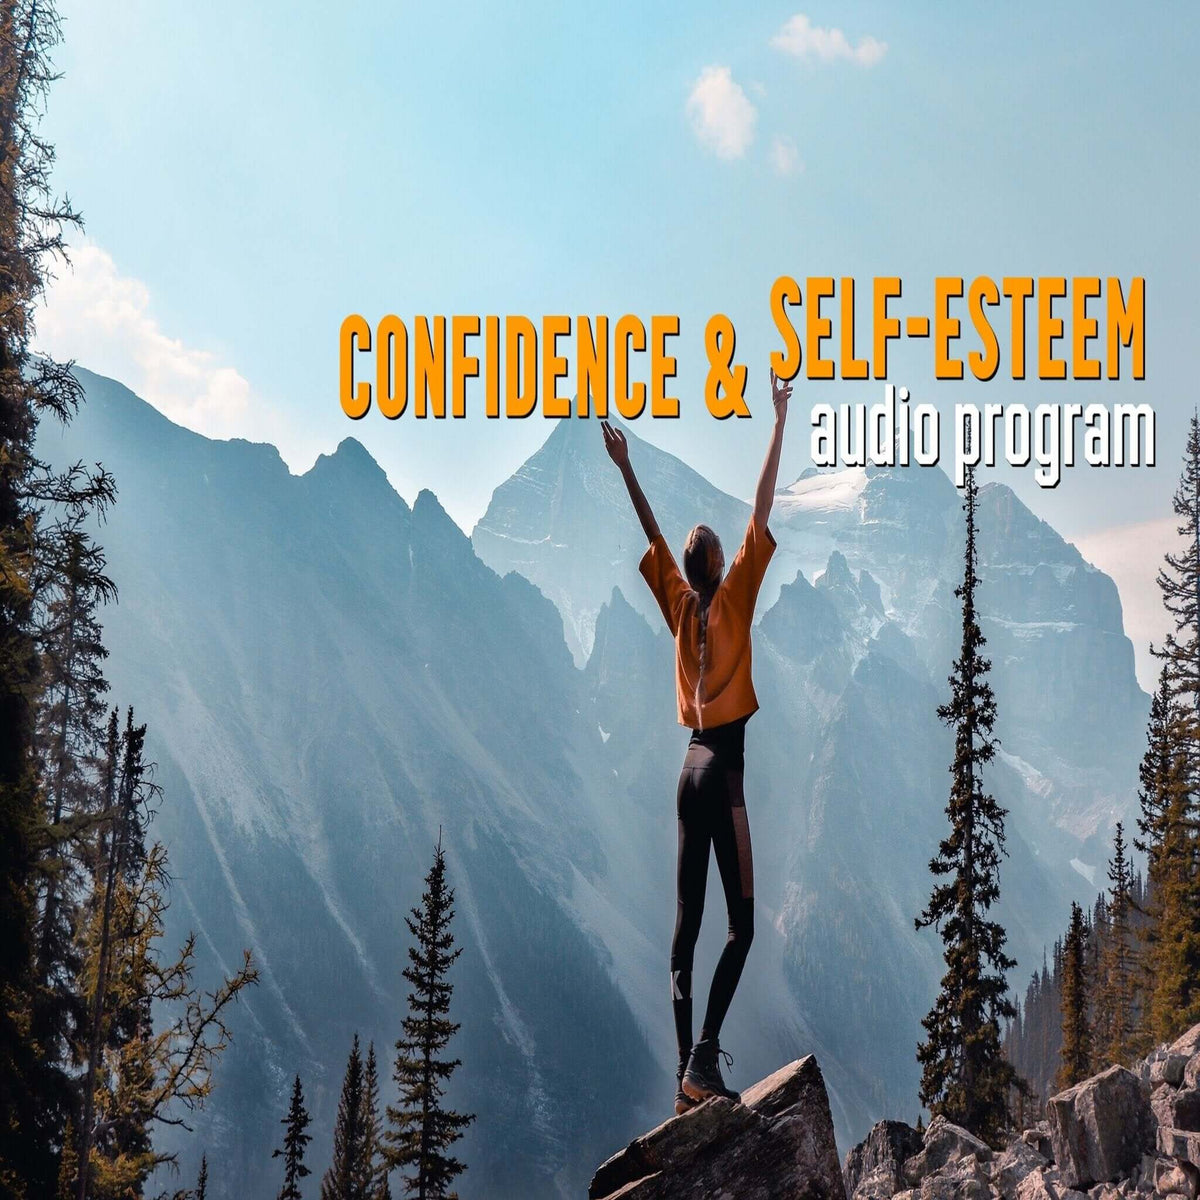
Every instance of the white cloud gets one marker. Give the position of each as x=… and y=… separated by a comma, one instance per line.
x=785, y=158
x=802, y=39
x=722, y=115
x=104, y=321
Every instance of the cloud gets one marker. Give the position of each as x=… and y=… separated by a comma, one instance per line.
x=721, y=113
x=104, y=320
x=800, y=38
x=785, y=158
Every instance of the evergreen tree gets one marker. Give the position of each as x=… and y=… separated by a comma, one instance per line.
x=1077, y=1038
x=202, y=1179
x=374, y=1161
x=295, y=1139
x=32, y=228
x=1114, y=1031
x=137, y=1072
x=348, y=1177
x=1171, y=932
x=70, y=730
x=1170, y=822
x=965, y=1076
x=1179, y=584
x=421, y=1131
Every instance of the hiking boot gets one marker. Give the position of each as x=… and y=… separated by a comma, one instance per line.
x=683, y=1102
x=702, y=1079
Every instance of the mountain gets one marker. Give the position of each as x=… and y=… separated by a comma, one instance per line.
x=331, y=676
x=564, y=522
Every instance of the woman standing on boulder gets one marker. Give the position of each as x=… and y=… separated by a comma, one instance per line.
x=710, y=617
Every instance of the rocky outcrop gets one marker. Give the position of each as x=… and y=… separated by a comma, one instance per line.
x=1120, y=1135
x=777, y=1144
x=874, y=1168
x=1100, y=1127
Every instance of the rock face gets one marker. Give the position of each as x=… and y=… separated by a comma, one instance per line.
x=777, y=1144
x=875, y=1168
x=1120, y=1135
x=1099, y=1127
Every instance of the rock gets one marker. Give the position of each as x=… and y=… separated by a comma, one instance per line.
x=873, y=1169
x=1105, y=1191
x=1039, y=1184
x=1188, y=1045
x=1099, y=1127
x=1169, y=1069
x=1170, y=1179
x=944, y=1142
x=1016, y=1161
x=1191, y=1073
x=1179, y=1143
x=776, y=1145
x=960, y=1179
x=1038, y=1136
x=1176, y=1108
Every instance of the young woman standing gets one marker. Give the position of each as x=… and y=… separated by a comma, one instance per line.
x=709, y=613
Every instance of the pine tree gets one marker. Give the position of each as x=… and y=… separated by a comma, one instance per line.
x=1170, y=934
x=1170, y=822
x=202, y=1179
x=70, y=728
x=964, y=1073
x=33, y=224
x=152, y=1037
x=375, y=1167
x=1113, y=1033
x=295, y=1139
x=68, y=734
x=1179, y=584
x=346, y=1178
x=421, y=1131
x=1077, y=1038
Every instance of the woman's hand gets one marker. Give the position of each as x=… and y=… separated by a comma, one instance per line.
x=764, y=494
x=618, y=451
x=615, y=444
x=780, y=391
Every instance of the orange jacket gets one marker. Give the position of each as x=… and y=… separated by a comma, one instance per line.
x=728, y=688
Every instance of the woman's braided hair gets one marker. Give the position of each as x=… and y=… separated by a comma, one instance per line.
x=703, y=562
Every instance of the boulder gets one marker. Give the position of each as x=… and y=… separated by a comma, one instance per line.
x=1168, y=1069
x=1045, y=1183
x=1179, y=1143
x=1191, y=1073
x=1176, y=1108
x=963, y=1178
x=1038, y=1136
x=944, y=1142
x=873, y=1169
x=1188, y=1045
x=1016, y=1161
x=1100, y=1127
x=777, y=1144
x=1172, y=1179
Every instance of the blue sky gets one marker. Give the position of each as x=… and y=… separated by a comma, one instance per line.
x=252, y=173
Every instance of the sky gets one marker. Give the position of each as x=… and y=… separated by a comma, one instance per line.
x=250, y=174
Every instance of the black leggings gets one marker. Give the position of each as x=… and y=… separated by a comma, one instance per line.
x=712, y=810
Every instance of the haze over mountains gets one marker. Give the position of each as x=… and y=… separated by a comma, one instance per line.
x=330, y=676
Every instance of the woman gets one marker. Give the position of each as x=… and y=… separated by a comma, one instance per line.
x=710, y=617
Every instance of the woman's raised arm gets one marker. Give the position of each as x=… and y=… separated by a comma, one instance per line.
x=618, y=451
x=764, y=495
